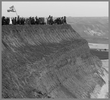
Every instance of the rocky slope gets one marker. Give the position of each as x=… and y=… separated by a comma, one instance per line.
x=104, y=92
x=45, y=61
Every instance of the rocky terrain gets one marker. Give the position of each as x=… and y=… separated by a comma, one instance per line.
x=47, y=61
x=104, y=91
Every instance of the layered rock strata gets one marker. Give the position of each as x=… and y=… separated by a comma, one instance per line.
x=47, y=61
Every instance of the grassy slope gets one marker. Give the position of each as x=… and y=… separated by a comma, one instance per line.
x=27, y=47
x=23, y=47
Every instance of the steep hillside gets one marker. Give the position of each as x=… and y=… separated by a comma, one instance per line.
x=44, y=61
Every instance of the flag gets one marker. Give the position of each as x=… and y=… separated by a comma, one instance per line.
x=11, y=9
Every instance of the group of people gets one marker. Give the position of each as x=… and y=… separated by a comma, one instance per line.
x=33, y=20
x=5, y=20
x=59, y=20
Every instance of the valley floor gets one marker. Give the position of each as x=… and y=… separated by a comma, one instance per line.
x=104, y=56
x=99, y=50
x=98, y=46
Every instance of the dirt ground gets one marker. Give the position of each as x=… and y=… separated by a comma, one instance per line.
x=103, y=93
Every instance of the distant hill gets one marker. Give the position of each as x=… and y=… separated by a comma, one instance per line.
x=93, y=29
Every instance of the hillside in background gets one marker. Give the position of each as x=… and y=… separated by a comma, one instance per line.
x=93, y=29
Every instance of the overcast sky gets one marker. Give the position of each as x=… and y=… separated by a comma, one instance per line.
x=56, y=9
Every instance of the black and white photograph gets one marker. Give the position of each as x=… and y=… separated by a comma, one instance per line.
x=55, y=49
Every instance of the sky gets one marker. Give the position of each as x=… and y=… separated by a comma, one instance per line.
x=56, y=9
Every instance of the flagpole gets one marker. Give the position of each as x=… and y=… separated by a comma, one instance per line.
x=16, y=11
x=16, y=14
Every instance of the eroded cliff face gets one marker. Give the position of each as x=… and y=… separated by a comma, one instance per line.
x=44, y=61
